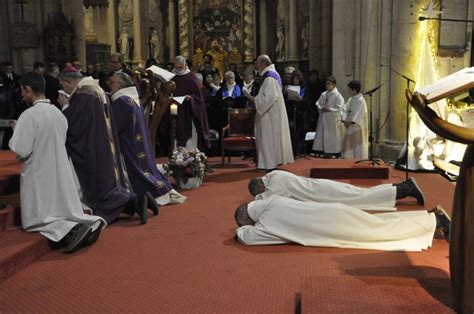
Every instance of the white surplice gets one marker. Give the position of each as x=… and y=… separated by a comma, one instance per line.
x=330, y=129
x=356, y=136
x=285, y=220
x=49, y=200
x=287, y=184
x=272, y=132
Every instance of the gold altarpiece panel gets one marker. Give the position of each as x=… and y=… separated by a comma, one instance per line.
x=229, y=23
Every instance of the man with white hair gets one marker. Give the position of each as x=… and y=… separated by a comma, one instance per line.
x=92, y=146
x=150, y=185
x=192, y=129
x=272, y=133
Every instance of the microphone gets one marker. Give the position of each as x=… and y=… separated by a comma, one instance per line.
x=422, y=18
x=373, y=90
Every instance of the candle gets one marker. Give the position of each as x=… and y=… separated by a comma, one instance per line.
x=174, y=109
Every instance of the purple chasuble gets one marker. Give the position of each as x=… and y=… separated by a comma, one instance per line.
x=92, y=145
x=191, y=111
x=135, y=146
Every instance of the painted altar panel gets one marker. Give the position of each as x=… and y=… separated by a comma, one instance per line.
x=219, y=21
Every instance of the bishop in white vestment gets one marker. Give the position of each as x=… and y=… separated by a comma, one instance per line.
x=50, y=202
x=277, y=220
x=272, y=133
x=356, y=135
x=329, y=132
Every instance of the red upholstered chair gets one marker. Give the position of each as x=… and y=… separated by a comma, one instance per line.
x=238, y=135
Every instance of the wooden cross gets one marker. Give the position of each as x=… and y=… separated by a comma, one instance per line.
x=21, y=3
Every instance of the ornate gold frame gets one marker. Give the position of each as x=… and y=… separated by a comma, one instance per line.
x=185, y=29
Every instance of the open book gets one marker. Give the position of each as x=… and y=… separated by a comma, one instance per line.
x=448, y=85
x=162, y=74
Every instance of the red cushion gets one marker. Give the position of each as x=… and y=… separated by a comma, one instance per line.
x=238, y=141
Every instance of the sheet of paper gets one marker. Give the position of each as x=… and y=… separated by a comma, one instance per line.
x=179, y=99
x=310, y=136
x=161, y=73
x=295, y=88
x=293, y=95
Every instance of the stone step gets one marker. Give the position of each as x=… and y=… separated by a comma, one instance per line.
x=375, y=294
x=10, y=216
x=18, y=249
x=7, y=218
x=348, y=169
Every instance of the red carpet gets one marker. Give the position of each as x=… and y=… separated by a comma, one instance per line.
x=186, y=260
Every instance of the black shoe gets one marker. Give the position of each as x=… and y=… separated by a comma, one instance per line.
x=443, y=221
x=412, y=189
x=152, y=204
x=94, y=235
x=76, y=238
x=141, y=205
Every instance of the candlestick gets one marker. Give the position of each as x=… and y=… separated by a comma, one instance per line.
x=174, y=109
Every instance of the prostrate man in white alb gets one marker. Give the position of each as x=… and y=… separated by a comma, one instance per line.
x=278, y=220
x=356, y=137
x=272, y=133
x=287, y=184
x=50, y=203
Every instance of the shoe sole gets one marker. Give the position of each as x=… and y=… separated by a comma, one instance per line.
x=94, y=235
x=441, y=209
x=419, y=190
x=79, y=243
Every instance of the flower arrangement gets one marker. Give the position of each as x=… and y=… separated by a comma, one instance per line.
x=183, y=165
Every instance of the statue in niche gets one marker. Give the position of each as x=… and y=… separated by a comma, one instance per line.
x=124, y=43
x=305, y=40
x=154, y=45
x=235, y=57
x=219, y=57
x=198, y=59
x=280, y=46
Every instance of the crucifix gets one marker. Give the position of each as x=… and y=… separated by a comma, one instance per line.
x=21, y=3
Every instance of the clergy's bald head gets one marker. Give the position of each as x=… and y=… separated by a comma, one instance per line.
x=242, y=217
x=256, y=186
x=262, y=62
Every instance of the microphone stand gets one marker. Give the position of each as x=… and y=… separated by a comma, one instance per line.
x=373, y=161
x=407, y=126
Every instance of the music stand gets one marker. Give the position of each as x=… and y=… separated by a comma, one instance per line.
x=299, y=155
x=373, y=161
x=407, y=126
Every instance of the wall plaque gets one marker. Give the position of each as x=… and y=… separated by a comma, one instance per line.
x=24, y=35
x=452, y=35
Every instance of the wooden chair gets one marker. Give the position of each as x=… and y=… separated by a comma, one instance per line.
x=238, y=135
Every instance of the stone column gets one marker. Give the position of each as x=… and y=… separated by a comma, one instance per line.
x=137, y=40
x=292, y=34
x=172, y=29
x=184, y=21
x=111, y=33
x=263, y=28
x=77, y=14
